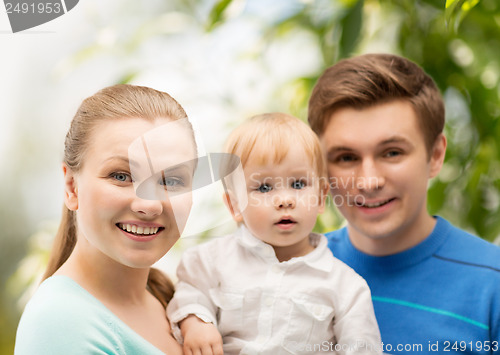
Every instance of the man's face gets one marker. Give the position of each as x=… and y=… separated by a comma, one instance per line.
x=379, y=170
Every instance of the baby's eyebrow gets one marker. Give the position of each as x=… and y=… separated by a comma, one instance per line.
x=302, y=169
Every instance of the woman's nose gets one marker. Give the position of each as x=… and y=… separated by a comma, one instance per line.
x=149, y=208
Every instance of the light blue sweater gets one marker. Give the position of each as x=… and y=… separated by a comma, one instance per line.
x=439, y=297
x=62, y=318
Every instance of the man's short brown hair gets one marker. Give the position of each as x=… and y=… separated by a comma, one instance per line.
x=371, y=79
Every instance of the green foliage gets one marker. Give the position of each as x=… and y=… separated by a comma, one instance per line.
x=456, y=11
x=216, y=15
x=351, y=28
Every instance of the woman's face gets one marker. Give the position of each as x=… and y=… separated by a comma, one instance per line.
x=111, y=219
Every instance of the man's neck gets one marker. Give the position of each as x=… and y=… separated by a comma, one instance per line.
x=399, y=240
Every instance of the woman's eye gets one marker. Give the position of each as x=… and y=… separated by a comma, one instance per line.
x=121, y=177
x=264, y=188
x=298, y=185
x=171, y=182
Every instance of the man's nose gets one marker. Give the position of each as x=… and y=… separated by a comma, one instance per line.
x=370, y=176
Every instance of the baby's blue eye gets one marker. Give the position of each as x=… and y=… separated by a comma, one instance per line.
x=264, y=188
x=298, y=185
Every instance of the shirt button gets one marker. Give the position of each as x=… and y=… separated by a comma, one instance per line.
x=276, y=269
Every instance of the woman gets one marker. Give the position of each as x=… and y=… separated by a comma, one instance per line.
x=100, y=294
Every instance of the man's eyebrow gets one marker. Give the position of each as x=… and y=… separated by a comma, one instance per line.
x=339, y=148
x=395, y=139
x=390, y=140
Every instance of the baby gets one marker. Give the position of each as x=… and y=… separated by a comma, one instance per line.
x=273, y=287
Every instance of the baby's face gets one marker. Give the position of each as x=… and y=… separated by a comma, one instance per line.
x=283, y=202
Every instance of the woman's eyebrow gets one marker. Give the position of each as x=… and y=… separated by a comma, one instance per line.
x=187, y=166
x=124, y=159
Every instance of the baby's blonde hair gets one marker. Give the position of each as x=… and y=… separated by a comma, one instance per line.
x=266, y=139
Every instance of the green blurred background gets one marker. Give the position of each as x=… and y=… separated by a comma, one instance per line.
x=225, y=61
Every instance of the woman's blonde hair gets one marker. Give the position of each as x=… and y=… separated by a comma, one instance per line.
x=111, y=103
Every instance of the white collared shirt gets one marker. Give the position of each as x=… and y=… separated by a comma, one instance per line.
x=306, y=305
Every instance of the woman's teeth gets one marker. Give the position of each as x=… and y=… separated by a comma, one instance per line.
x=138, y=230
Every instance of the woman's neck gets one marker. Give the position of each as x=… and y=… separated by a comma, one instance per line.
x=105, y=278
x=121, y=289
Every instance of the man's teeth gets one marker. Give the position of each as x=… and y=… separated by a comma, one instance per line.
x=138, y=230
x=376, y=204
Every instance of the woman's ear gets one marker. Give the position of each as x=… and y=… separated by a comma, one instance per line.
x=232, y=207
x=70, y=189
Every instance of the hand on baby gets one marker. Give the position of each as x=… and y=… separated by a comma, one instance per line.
x=200, y=338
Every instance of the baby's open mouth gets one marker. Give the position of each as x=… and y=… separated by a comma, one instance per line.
x=286, y=221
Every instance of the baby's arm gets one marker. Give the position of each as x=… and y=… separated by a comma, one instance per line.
x=355, y=325
x=192, y=312
x=200, y=337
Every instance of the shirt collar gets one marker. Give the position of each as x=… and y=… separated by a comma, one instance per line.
x=320, y=258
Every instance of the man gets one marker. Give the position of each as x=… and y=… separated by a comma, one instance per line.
x=435, y=288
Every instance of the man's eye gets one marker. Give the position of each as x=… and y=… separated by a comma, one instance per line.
x=298, y=185
x=392, y=153
x=264, y=188
x=346, y=158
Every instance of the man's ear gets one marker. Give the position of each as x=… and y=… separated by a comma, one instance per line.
x=231, y=204
x=437, y=156
x=70, y=189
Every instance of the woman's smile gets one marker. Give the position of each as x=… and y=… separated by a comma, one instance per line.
x=140, y=231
